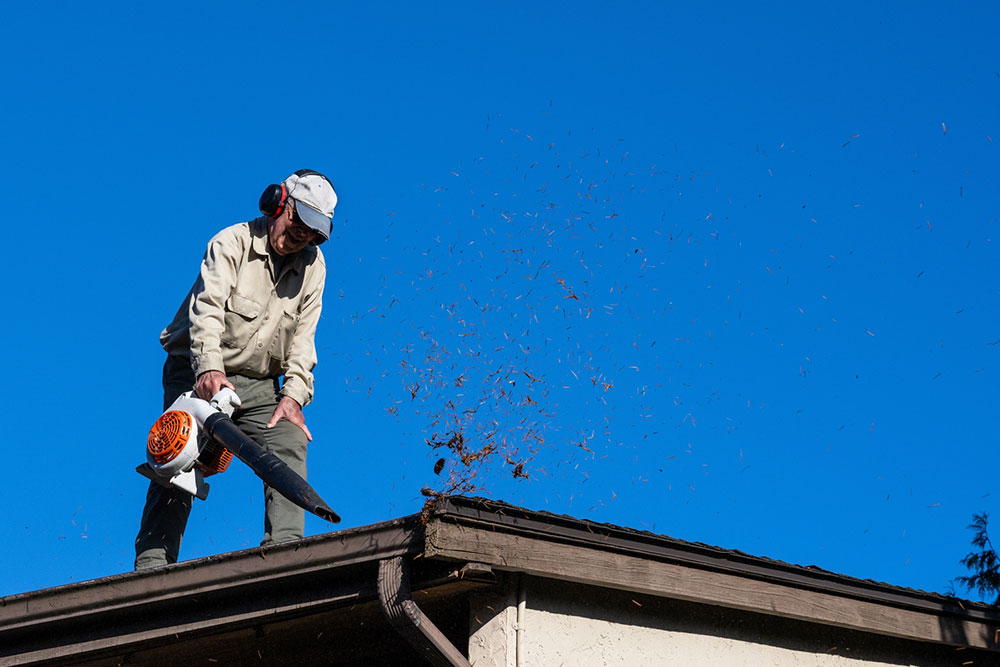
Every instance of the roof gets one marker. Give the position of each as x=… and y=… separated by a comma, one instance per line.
x=321, y=593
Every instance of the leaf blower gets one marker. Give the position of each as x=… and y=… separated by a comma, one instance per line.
x=195, y=438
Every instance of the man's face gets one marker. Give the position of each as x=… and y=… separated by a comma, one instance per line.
x=288, y=234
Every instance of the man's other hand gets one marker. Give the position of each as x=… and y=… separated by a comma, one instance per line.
x=290, y=409
x=209, y=383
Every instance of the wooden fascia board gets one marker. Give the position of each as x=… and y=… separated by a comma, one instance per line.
x=167, y=602
x=589, y=564
x=476, y=512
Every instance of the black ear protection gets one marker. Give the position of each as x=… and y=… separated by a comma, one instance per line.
x=273, y=201
x=275, y=197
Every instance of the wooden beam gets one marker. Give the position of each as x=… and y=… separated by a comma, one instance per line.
x=598, y=567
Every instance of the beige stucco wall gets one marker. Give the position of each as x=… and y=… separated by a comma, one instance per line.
x=579, y=626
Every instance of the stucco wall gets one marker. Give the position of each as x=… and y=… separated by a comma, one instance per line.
x=581, y=626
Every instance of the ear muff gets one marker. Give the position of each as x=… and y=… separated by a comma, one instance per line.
x=273, y=201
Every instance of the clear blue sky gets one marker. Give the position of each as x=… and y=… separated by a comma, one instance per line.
x=733, y=268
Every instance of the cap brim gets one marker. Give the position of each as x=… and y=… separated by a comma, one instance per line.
x=315, y=219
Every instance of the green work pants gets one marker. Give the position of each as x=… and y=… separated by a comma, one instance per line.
x=166, y=512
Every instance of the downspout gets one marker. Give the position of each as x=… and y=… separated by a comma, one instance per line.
x=408, y=620
x=522, y=606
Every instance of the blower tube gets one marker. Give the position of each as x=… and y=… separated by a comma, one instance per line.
x=267, y=466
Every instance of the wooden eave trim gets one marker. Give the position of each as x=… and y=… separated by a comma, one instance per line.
x=595, y=563
x=199, y=597
x=574, y=531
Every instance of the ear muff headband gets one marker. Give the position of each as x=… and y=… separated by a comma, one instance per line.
x=308, y=172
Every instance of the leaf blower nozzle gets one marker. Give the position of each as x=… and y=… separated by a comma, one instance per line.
x=267, y=466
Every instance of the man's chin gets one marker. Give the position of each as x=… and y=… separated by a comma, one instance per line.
x=290, y=248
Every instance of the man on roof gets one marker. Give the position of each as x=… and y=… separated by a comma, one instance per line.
x=249, y=323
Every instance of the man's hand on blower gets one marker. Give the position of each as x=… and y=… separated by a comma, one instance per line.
x=290, y=409
x=210, y=382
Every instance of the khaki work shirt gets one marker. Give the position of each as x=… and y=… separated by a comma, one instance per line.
x=240, y=317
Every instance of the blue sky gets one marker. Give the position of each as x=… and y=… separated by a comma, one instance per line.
x=721, y=272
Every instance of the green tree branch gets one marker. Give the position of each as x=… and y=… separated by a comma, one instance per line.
x=983, y=563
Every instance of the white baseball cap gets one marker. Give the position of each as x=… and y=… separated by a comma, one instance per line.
x=314, y=198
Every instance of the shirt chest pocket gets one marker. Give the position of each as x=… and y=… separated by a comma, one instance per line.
x=283, y=337
x=243, y=320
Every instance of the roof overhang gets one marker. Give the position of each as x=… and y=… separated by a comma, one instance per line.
x=228, y=601
x=319, y=584
x=514, y=539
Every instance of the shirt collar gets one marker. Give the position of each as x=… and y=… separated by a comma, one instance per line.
x=260, y=246
x=258, y=236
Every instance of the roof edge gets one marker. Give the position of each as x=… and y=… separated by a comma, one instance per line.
x=212, y=574
x=552, y=527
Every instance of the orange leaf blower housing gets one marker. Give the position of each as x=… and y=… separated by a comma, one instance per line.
x=172, y=432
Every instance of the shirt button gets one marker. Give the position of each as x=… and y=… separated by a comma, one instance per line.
x=260, y=345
